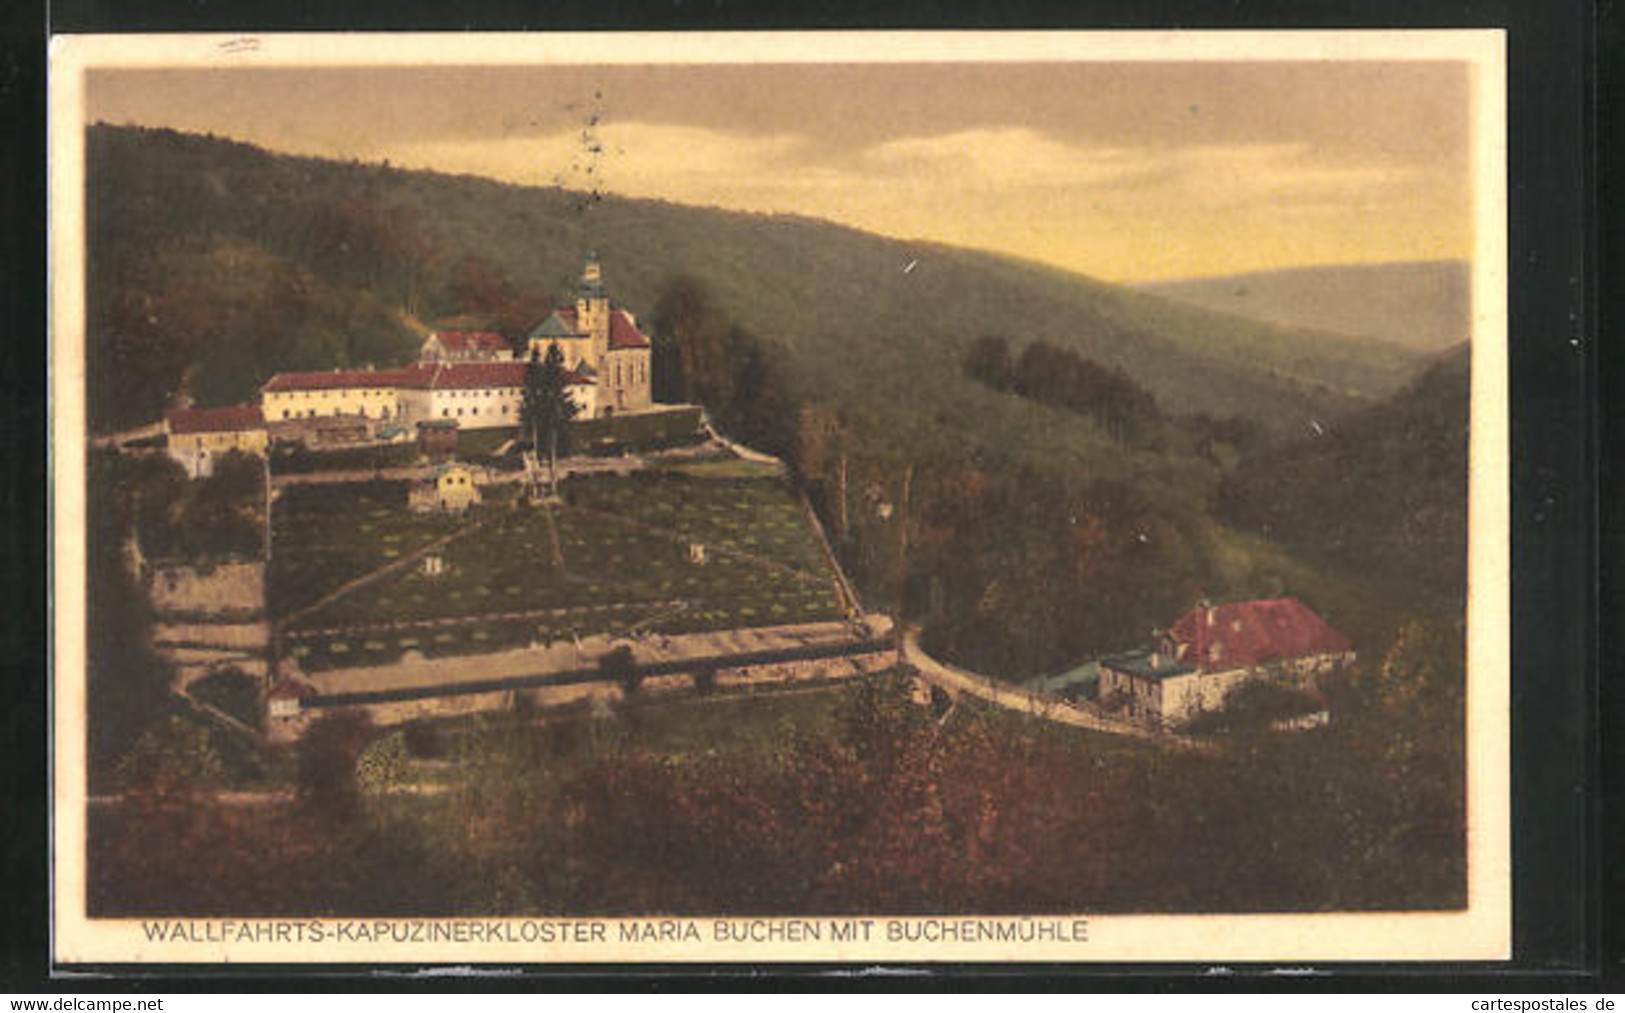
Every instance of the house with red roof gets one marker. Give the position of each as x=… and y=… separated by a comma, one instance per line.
x=465, y=346
x=1212, y=649
x=197, y=437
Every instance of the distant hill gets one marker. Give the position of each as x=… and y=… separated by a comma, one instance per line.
x=1423, y=305
x=216, y=264
x=1382, y=492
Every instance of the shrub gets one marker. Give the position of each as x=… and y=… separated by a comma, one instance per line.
x=382, y=765
x=423, y=741
x=326, y=777
x=1255, y=705
x=231, y=691
x=619, y=666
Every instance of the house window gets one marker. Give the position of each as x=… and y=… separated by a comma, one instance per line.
x=445, y=411
x=284, y=413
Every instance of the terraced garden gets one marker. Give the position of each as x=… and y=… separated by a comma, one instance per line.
x=327, y=535
x=615, y=557
x=757, y=516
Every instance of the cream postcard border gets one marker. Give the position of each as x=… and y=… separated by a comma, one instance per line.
x=1482, y=932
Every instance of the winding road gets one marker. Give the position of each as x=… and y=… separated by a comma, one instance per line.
x=956, y=680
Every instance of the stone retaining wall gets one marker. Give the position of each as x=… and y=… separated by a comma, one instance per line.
x=225, y=589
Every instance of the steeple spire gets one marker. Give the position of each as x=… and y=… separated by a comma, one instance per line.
x=592, y=278
x=592, y=310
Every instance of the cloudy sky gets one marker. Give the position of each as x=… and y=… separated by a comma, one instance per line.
x=1124, y=171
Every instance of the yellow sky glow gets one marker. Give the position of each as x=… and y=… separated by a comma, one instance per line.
x=1149, y=174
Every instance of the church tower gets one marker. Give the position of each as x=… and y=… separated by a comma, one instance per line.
x=592, y=309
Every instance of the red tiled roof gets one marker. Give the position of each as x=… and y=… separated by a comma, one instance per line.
x=480, y=375
x=479, y=341
x=623, y=333
x=341, y=379
x=420, y=376
x=474, y=375
x=234, y=418
x=1247, y=633
x=291, y=689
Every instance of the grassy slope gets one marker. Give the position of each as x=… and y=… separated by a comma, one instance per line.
x=851, y=325
x=1424, y=305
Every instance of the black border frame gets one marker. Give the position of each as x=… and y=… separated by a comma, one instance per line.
x=1557, y=459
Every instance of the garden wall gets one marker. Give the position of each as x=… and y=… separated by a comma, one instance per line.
x=224, y=589
x=649, y=430
x=810, y=670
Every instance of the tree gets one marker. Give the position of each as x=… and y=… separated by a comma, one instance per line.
x=620, y=666
x=547, y=409
x=759, y=409
x=694, y=367
x=480, y=289
x=128, y=683
x=224, y=514
x=173, y=757
x=988, y=361
x=327, y=783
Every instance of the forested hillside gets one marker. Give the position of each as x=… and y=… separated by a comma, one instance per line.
x=1023, y=523
x=1033, y=467
x=214, y=264
x=1384, y=491
x=1424, y=305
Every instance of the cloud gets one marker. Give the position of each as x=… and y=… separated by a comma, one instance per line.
x=1200, y=177
x=1004, y=156
x=1112, y=210
x=1228, y=175
x=640, y=159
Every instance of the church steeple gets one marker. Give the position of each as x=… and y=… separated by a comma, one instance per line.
x=592, y=278
x=592, y=308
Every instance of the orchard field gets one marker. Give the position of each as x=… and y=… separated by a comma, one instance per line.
x=616, y=555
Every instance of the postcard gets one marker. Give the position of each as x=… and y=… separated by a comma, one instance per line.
x=883, y=497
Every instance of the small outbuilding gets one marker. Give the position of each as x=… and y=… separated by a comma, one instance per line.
x=437, y=439
x=450, y=488
x=285, y=698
